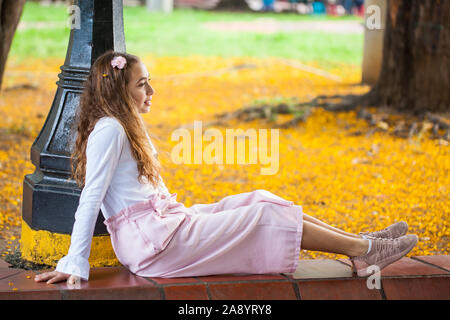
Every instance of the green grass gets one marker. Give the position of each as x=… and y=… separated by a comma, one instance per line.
x=182, y=34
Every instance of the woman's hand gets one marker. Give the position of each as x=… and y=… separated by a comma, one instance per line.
x=56, y=276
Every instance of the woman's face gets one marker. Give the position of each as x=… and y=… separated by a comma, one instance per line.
x=140, y=88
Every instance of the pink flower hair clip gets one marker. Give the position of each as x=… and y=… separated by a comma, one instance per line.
x=118, y=62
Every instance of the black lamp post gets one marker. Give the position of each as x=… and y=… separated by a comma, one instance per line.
x=50, y=200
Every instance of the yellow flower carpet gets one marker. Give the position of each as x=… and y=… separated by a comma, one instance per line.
x=335, y=165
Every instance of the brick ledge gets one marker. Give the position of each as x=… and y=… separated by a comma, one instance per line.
x=419, y=277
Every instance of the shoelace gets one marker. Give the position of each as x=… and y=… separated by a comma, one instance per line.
x=384, y=247
x=382, y=233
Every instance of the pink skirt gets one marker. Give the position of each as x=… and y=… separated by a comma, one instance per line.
x=248, y=233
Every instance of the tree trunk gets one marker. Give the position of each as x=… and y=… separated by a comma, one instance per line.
x=234, y=5
x=10, y=12
x=415, y=73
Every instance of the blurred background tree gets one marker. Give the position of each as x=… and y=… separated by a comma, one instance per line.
x=415, y=73
x=10, y=12
x=240, y=5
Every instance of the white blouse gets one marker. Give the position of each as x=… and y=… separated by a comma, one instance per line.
x=111, y=184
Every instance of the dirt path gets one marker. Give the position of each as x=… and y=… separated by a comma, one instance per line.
x=268, y=26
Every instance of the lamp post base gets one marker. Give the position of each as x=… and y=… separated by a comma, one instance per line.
x=45, y=247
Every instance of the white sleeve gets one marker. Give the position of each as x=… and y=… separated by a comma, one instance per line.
x=103, y=151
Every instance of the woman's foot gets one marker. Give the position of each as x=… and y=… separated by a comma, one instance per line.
x=392, y=232
x=383, y=252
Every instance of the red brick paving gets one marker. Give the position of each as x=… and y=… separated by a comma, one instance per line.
x=422, y=277
x=435, y=288
x=352, y=289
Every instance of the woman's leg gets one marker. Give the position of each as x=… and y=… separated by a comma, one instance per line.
x=318, y=238
x=326, y=226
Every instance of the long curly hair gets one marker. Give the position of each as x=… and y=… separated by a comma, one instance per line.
x=105, y=94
